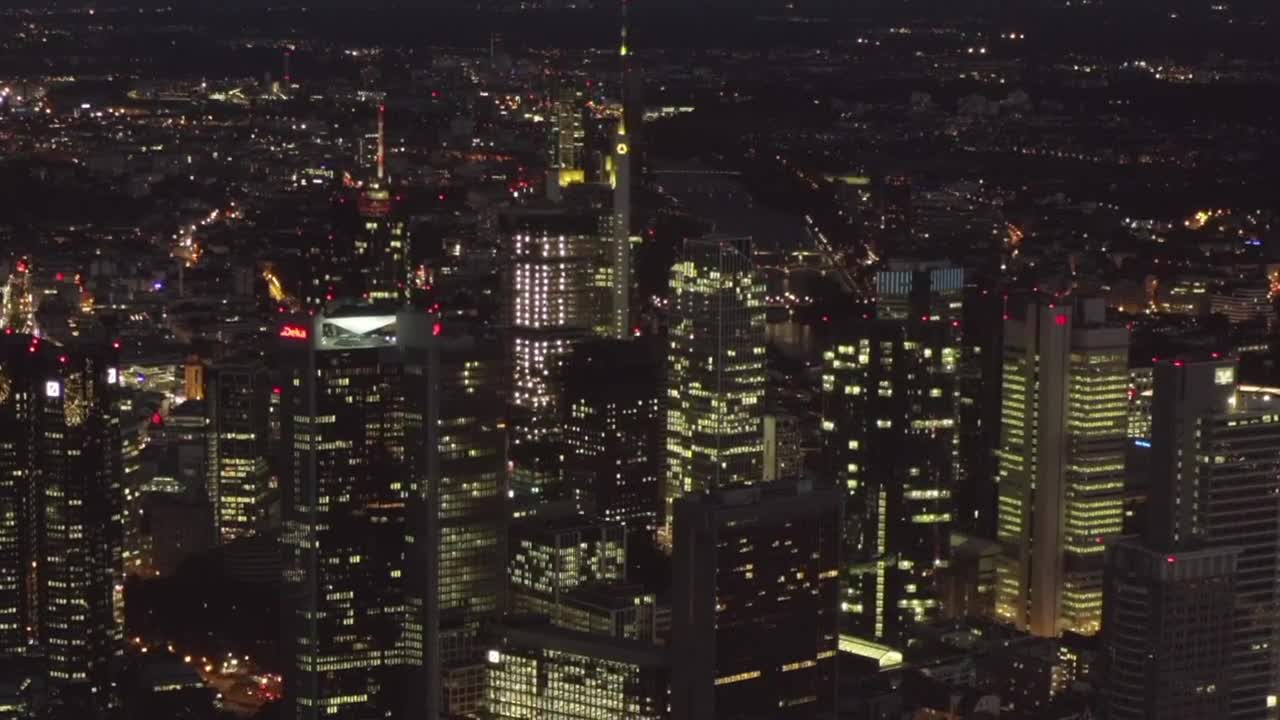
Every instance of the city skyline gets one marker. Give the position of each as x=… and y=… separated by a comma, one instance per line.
x=639, y=360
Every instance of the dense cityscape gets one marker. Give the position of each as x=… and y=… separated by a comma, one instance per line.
x=640, y=360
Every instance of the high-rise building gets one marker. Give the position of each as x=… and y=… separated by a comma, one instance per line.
x=595, y=204
x=366, y=253
x=472, y=484
x=382, y=242
x=540, y=671
x=359, y=445
x=889, y=393
x=1064, y=412
x=620, y=252
x=549, y=257
x=981, y=337
x=1167, y=627
x=1215, y=456
x=613, y=431
x=18, y=310
x=755, y=598
x=239, y=480
x=61, y=470
x=620, y=249
x=567, y=143
x=382, y=251
x=715, y=371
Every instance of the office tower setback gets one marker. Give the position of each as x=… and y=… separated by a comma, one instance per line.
x=715, y=371
x=359, y=444
x=540, y=671
x=62, y=502
x=613, y=431
x=1064, y=412
x=755, y=603
x=239, y=478
x=889, y=419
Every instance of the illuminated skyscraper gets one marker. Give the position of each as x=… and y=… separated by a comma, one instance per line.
x=613, y=431
x=568, y=135
x=715, y=370
x=755, y=597
x=18, y=313
x=1061, y=464
x=596, y=204
x=620, y=252
x=466, y=513
x=890, y=436
x=382, y=244
x=358, y=449
x=239, y=481
x=472, y=487
x=61, y=499
x=620, y=255
x=393, y=494
x=549, y=257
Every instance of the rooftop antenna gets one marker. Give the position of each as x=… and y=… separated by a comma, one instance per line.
x=382, y=144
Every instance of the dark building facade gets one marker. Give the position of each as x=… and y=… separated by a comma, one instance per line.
x=358, y=417
x=239, y=477
x=61, y=502
x=613, y=431
x=1167, y=628
x=755, y=603
x=394, y=490
x=891, y=439
x=1215, y=456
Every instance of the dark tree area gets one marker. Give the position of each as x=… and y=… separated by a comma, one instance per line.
x=204, y=610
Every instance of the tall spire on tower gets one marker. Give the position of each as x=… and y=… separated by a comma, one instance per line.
x=621, y=250
x=625, y=53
